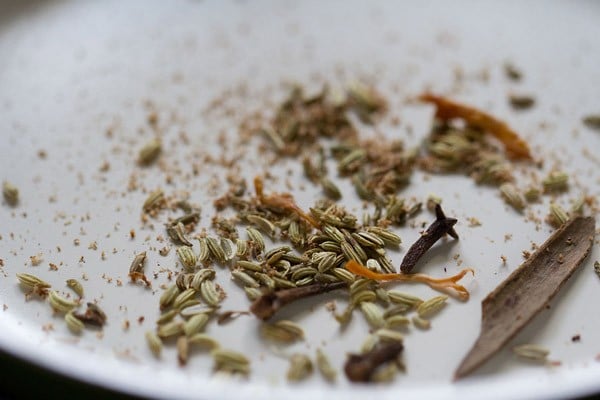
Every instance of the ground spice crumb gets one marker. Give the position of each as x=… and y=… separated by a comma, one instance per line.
x=503, y=258
x=473, y=222
x=53, y=267
x=576, y=338
x=36, y=259
x=521, y=102
x=526, y=254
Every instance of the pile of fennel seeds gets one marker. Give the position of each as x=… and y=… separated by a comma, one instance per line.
x=376, y=171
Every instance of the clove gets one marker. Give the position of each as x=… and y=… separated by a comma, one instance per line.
x=361, y=367
x=440, y=227
x=268, y=304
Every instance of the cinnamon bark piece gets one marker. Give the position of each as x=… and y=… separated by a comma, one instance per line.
x=521, y=296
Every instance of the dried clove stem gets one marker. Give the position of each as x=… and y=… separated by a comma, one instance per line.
x=360, y=367
x=269, y=303
x=440, y=227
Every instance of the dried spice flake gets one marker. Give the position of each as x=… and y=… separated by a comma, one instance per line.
x=136, y=269
x=93, y=315
x=521, y=102
x=592, y=121
x=10, y=193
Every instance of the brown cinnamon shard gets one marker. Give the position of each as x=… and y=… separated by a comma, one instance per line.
x=447, y=109
x=509, y=307
x=269, y=303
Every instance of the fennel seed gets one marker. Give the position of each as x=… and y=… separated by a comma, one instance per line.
x=73, y=323
x=300, y=368
x=187, y=257
x=282, y=331
x=154, y=343
x=431, y=306
x=10, y=194
x=531, y=352
x=150, y=152
x=324, y=366
x=230, y=361
x=203, y=340
x=76, y=286
x=373, y=314
x=61, y=304
x=421, y=323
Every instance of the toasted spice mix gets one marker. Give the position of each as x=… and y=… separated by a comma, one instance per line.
x=290, y=252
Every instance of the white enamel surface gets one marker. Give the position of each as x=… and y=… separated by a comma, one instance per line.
x=71, y=70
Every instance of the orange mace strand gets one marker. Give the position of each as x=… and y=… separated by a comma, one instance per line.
x=282, y=201
x=447, y=109
x=447, y=285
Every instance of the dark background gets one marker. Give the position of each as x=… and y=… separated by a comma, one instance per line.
x=22, y=380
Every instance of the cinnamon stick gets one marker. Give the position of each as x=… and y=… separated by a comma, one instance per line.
x=517, y=300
